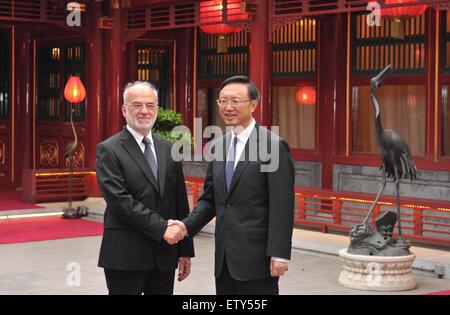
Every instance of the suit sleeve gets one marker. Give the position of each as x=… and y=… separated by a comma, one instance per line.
x=186, y=246
x=205, y=210
x=132, y=212
x=281, y=209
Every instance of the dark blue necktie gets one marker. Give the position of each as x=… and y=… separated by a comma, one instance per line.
x=150, y=157
x=229, y=168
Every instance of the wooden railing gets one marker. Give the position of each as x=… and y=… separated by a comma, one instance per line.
x=423, y=220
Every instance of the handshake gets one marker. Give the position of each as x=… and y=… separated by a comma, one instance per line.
x=176, y=231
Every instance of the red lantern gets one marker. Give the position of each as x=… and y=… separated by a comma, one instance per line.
x=212, y=12
x=74, y=92
x=414, y=10
x=306, y=95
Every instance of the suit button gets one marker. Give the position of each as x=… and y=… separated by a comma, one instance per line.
x=227, y=205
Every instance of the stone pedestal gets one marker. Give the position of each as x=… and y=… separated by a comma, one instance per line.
x=377, y=273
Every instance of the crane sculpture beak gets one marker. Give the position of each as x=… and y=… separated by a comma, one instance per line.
x=376, y=82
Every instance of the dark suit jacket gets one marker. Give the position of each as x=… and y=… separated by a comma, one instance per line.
x=137, y=208
x=254, y=220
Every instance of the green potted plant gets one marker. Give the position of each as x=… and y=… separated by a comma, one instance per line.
x=166, y=121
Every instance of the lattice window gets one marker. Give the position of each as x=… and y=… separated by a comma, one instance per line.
x=153, y=65
x=55, y=64
x=5, y=73
x=49, y=82
x=446, y=41
x=288, y=8
x=214, y=65
x=38, y=10
x=186, y=13
x=374, y=47
x=295, y=49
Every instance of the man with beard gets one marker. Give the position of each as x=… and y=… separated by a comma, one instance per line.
x=143, y=187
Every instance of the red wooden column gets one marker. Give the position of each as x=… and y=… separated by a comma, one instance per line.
x=184, y=79
x=94, y=80
x=432, y=72
x=94, y=85
x=23, y=107
x=330, y=88
x=115, y=66
x=260, y=62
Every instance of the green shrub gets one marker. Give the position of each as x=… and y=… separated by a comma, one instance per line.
x=165, y=122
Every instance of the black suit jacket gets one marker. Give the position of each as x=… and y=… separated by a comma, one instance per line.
x=137, y=207
x=254, y=220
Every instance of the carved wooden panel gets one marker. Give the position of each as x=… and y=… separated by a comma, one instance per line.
x=49, y=153
x=5, y=159
x=78, y=157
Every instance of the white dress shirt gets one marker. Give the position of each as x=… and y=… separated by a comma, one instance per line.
x=242, y=141
x=240, y=146
x=138, y=137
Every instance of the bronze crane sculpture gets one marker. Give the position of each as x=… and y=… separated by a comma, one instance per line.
x=395, y=154
x=396, y=163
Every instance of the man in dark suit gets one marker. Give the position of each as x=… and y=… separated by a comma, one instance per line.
x=251, y=195
x=143, y=187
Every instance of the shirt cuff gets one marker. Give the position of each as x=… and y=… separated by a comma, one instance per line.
x=279, y=259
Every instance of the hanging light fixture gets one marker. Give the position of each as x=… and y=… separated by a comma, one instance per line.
x=214, y=11
x=306, y=95
x=399, y=14
x=404, y=11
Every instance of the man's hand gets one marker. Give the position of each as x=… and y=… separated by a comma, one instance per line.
x=184, y=268
x=174, y=233
x=179, y=223
x=278, y=268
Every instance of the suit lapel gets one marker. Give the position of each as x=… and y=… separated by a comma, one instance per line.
x=222, y=163
x=244, y=159
x=240, y=167
x=131, y=146
x=161, y=154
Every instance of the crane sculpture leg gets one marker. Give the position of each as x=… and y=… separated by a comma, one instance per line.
x=397, y=188
x=369, y=214
x=70, y=212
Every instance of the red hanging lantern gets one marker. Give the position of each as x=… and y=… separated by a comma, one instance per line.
x=74, y=92
x=412, y=10
x=212, y=12
x=306, y=95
